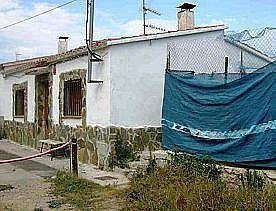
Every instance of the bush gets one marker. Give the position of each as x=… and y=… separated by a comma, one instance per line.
x=124, y=153
x=251, y=180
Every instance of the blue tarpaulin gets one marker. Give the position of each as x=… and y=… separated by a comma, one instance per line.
x=231, y=120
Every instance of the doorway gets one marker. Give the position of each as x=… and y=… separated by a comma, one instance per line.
x=42, y=105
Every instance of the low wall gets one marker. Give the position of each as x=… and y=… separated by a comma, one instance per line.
x=96, y=144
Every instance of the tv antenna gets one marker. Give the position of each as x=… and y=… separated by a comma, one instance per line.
x=145, y=11
x=17, y=54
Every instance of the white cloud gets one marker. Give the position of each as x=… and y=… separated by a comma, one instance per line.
x=135, y=27
x=38, y=36
x=226, y=21
x=9, y=4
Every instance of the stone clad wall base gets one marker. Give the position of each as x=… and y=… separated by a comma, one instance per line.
x=96, y=144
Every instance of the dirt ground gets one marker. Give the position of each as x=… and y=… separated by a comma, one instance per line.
x=29, y=179
x=27, y=196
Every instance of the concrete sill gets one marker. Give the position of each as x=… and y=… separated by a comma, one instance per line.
x=18, y=117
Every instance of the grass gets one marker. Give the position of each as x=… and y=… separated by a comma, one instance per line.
x=190, y=184
x=6, y=187
x=80, y=193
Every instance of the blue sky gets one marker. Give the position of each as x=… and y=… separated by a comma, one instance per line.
x=114, y=18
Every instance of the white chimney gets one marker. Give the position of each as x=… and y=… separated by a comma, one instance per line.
x=186, y=17
x=62, y=44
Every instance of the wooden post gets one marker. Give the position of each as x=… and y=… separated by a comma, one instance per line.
x=74, y=153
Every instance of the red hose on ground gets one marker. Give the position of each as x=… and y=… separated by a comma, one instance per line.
x=34, y=156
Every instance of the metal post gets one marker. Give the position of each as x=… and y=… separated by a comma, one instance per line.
x=74, y=153
x=144, y=17
x=91, y=33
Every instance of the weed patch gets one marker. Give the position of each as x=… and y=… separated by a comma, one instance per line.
x=194, y=184
x=55, y=203
x=80, y=193
x=6, y=187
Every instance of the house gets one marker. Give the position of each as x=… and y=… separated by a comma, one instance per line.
x=49, y=97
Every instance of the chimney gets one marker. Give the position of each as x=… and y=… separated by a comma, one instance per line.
x=62, y=44
x=186, y=17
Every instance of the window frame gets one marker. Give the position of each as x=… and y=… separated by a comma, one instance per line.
x=16, y=101
x=20, y=87
x=69, y=114
x=67, y=76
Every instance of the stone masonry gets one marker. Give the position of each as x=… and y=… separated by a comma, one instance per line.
x=96, y=144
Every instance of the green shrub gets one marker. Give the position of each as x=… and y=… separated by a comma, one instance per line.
x=251, y=180
x=124, y=153
x=151, y=166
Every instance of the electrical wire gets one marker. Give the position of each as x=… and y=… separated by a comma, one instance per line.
x=39, y=14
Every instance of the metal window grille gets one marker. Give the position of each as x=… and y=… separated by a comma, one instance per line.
x=72, y=98
x=19, y=103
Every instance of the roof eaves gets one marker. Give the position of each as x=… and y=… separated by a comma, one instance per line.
x=98, y=46
x=197, y=30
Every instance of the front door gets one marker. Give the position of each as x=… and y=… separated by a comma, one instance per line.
x=42, y=104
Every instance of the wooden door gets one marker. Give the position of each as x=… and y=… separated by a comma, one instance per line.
x=46, y=109
x=42, y=105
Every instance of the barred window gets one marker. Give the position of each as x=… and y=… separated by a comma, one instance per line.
x=19, y=102
x=72, y=104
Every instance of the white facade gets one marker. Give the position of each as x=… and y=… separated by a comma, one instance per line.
x=133, y=73
x=138, y=70
x=6, y=96
x=97, y=98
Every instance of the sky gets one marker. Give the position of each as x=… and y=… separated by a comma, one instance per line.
x=114, y=18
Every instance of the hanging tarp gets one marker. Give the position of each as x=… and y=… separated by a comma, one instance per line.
x=206, y=115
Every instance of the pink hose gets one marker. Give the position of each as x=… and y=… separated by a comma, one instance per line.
x=34, y=156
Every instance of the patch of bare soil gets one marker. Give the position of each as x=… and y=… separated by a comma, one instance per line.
x=27, y=196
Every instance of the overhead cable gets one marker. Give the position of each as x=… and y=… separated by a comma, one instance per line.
x=39, y=14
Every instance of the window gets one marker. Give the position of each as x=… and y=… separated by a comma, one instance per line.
x=19, y=103
x=72, y=104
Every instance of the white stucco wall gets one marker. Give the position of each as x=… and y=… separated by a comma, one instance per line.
x=6, y=96
x=133, y=74
x=97, y=99
x=137, y=73
x=2, y=104
x=98, y=95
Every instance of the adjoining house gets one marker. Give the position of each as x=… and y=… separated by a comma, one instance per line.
x=49, y=97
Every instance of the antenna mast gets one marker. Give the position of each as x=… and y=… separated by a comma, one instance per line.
x=145, y=10
x=92, y=56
